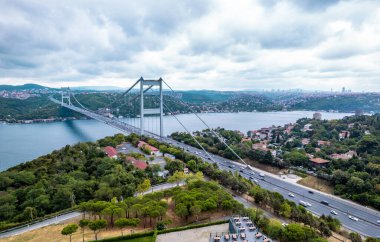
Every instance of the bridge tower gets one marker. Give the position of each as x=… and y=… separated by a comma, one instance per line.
x=65, y=94
x=143, y=110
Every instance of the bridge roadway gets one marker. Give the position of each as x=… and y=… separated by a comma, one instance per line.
x=368, y=223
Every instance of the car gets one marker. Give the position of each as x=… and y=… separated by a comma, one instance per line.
x=284, y=224
x=311, y=192
x=291, y=194
x=378, y=221
x=353, y=218
x=302, y=203
x=308, y=204
x=262, y=175
x=232, y=166
x=333, y=212
x=325, y=202
x=251, y=177
x=255, y=181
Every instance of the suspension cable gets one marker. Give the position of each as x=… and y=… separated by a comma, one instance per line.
x=212, y=130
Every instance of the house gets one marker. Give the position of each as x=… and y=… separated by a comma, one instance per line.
x=317, y=116
x=111, y=152
x=186, y=170
x=245, y=139
x=305, y=141
x=260, y=146
x=319, y=162
x=307, y=127
x=139, y=164
x=346, y=156
x=153, y=150
x=344, y=134
x=323, y=143
x=289, y=128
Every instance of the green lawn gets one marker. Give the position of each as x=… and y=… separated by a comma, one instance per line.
x=141, y=239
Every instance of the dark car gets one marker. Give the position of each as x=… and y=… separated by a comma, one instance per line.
x=311, y=192
x=325, y=202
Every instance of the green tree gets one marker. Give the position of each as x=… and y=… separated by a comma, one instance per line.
x=111, y=211
x=83, y=223
x=286, y=210
x=97, y=225
x=177, y=177
x=144, y=186
x=195, y=210
x=69, y=230
x=121, y=223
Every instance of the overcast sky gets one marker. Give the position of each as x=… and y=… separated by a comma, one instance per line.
x=195, y=44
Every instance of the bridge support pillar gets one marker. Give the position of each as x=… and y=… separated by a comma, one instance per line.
x=154, y=111
x=65, y=95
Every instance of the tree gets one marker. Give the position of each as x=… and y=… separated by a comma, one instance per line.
x=355, y=237
x=196, y=210
x=286, y=210
x=144, y=186
x=30, y=212
x=111, y=211
x=69, y=230
x=177, y=177
x=83, y=223
x=97, y=225
x=181, y=210
x=121, y=223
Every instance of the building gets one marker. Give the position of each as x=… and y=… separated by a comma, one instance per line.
x=305, y=141
x=153, y=150
x=319, y=162
x=346, y=156
x=317, y=116
x=307, y=127
x=359, y=112
x=111, y=152
x=139, y=164
x=344, y=134
x=323, y=143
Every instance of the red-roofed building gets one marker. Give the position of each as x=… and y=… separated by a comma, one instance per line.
x=153, y=150
x=319, y=161
x=139, y=164
x=111, y=152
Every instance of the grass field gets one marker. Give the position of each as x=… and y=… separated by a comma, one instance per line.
x=142, y=239
x=317, y=183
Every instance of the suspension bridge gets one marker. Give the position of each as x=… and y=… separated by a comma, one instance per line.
x=143, y=114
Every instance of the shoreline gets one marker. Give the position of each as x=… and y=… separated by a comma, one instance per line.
x=57, y=119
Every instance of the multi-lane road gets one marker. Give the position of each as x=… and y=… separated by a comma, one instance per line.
x=368, y=223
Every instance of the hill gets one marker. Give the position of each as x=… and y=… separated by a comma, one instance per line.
x=29, y=86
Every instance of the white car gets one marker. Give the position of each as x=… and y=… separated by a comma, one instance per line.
x=255, y=181
x=284, y=224
x=353, y=218
x=378, y=221
x=291, y=194
x=308, y=204
x=333, y=212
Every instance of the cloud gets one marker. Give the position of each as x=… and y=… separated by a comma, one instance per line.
x=214, y=44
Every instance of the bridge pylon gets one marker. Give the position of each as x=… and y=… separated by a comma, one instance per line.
x=65, y=95
x=143, y=111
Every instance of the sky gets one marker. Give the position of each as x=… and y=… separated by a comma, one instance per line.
x=194, y=44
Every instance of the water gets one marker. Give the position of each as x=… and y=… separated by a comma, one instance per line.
x=24, y=142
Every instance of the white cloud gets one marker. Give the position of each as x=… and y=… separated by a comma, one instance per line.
x=215, y=44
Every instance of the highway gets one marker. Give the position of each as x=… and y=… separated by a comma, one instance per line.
x=366, y=225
